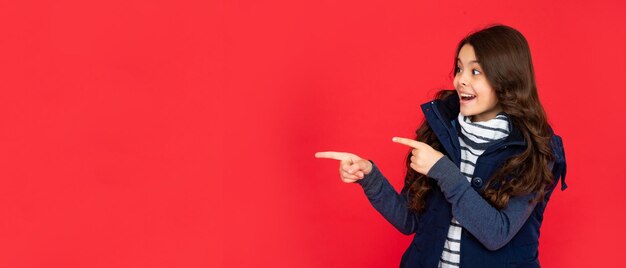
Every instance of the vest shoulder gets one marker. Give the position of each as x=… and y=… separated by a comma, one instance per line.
x=557, y=148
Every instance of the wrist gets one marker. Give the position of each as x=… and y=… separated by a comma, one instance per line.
x=368, y=167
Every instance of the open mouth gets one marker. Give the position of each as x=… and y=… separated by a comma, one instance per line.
x=467, y=97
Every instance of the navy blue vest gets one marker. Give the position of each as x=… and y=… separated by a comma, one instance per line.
x=430, y=236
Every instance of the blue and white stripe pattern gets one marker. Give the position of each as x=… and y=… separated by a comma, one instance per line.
x=475, y=138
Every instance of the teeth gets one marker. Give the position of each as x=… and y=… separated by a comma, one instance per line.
x=467, y=95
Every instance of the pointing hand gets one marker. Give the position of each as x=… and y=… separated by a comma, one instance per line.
x=424, y=157
x=351, y=167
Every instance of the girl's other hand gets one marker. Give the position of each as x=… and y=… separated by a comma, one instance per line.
x=351, y=167
x=424, y=156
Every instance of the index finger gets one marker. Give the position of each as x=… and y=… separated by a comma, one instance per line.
x=408, y=142
x=333, y=155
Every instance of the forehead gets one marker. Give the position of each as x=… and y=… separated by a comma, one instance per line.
x=466, y=54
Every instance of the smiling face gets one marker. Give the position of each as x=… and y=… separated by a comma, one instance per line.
x=478, y=99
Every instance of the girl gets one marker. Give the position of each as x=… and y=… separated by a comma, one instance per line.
x=483, y=165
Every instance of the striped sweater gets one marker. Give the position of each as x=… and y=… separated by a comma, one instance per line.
x=474, y=138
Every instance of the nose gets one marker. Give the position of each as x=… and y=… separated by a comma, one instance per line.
x=463, y=79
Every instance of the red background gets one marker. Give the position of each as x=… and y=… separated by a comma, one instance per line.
x=181, y=133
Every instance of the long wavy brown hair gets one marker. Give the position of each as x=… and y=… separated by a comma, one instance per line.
x=504, y=56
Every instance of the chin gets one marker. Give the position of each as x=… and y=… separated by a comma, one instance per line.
x=466, y=113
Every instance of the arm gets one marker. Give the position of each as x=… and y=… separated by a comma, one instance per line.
x=381, y=194
x=388, y=202
x=492, y=227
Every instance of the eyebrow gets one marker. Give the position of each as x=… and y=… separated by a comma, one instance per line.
x=472, y=61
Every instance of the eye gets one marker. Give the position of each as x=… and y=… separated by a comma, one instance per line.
x=475, y=72
x=457, y=70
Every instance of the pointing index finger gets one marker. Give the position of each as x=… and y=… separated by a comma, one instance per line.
x=333, y=155
x=408, y=142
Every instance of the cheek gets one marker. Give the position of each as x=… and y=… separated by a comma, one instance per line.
x=492, y=100
x=488, y=93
